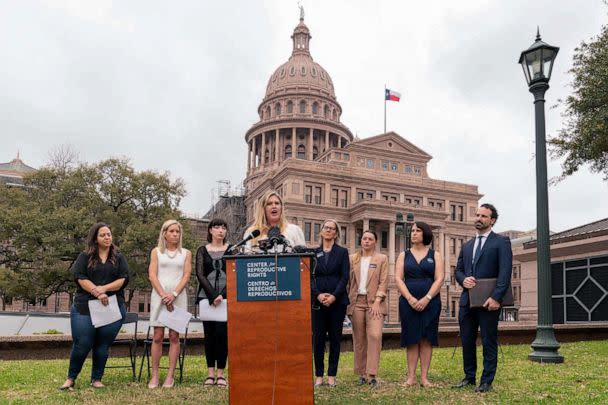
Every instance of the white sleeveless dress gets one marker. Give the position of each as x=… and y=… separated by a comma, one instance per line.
x=170, y=273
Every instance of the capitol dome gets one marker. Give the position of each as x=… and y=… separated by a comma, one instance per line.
x=299, y=114
x=300, y=71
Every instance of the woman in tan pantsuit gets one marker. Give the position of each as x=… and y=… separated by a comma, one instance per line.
x=367, y=293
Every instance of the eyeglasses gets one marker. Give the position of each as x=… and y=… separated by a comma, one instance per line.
x=329, y=228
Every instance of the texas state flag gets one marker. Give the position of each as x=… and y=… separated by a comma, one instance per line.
x=392, y=95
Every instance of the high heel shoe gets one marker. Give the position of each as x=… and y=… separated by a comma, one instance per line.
x=67, y=386
x=169, y=385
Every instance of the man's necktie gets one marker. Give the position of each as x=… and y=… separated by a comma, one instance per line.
x=477, y=252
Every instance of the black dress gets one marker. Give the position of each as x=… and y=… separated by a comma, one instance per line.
x=418, y=279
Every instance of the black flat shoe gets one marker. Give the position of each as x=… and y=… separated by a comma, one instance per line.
x=362, y=381
x=465, y=382
x=373, y=382
x=484, y=387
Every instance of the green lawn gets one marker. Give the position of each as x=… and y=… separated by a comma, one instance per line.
x=582, y=379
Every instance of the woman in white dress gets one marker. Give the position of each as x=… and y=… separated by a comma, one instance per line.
x=169, y=273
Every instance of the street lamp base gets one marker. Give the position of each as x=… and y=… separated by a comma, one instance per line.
x=545, y=346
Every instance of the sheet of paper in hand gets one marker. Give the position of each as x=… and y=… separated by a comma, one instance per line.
x=102, y=315
x=177, y=319
x=218, y=313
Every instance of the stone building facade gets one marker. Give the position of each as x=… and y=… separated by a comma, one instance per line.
x=579, y=275
x=300, y=148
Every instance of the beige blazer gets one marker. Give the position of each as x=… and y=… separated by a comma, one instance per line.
x=377, y=280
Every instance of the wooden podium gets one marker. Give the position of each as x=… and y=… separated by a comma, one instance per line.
x=269, y=329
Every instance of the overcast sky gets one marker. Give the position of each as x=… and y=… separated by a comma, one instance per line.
x=175, y=86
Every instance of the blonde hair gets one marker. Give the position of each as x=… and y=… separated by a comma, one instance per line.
x=162, y=243
x=259, y=216
x=338, y=233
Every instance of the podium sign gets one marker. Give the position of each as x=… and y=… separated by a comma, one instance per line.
x=269, y=329
x=257, y=280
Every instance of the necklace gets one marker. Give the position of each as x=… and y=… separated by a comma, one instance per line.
x=171, y=256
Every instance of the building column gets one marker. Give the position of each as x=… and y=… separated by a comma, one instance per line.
x=309, y=144
x=248, y=156
x=365, y=224
x=351, y=237
x=391, y=249
x=446, y=257
x=339, y=141
x=294, y=144
x=326, y=140
x=328, y=194
x=353, y=195
x=263, y=154
x=277, y=146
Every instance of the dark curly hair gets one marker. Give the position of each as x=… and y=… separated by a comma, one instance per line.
x=92, y=249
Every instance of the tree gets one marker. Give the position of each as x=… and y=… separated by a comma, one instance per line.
x=584, y=139
x=46, y=222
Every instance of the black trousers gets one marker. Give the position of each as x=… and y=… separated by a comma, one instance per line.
x=327, y=322
x=487, y=321
x=216, y=343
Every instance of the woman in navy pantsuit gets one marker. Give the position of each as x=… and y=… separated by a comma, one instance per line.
x=329, y=300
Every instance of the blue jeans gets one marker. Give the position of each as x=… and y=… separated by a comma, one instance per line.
x=86, y=338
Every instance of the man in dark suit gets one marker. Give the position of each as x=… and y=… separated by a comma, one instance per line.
x=488, y=255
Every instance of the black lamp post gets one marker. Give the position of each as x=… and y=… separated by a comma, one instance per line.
x=537, y=63
x=405, y=227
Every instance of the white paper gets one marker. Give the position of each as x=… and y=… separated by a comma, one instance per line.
x=177, y=319
x=208, y=312
x=102, y=315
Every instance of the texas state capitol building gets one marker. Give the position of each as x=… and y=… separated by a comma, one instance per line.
x=300, y=148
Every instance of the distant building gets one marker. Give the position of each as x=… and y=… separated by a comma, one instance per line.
x=11, y=173
x=579, y=274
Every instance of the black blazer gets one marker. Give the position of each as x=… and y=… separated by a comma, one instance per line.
x=495, y=261
x=333, y=277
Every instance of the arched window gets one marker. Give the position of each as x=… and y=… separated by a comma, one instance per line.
x=326, y=111
x=302, y=107
x=335, y=116
x=289, y=107
x=301, y=152
x=315, y=152
x=268, y=112
x=315, y=108
x=277, y=109
x=287, y=151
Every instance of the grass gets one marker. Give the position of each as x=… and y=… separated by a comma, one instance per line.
x=582, y=379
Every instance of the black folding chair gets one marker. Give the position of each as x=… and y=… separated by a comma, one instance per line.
x=183, y=340
x=130, y=341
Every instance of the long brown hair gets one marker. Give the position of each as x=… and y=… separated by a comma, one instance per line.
x=92, y=249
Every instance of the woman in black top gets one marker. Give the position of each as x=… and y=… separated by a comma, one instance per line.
x=211, y=274
x=100, y=272
x=330, y=299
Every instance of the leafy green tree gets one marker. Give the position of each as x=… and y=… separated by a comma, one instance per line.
x=584, y=138
x=45, y=223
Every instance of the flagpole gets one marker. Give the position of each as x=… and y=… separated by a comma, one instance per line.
x=385, y=108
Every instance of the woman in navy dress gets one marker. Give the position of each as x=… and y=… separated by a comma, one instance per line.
x=419, y=275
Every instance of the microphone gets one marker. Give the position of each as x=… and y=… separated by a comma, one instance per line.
x=253, y=234
x=274, y=238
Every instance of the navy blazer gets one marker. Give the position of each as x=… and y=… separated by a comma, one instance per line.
x=333, y=277
x=495, y=261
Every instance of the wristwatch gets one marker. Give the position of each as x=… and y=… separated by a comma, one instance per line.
x=175, y=294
